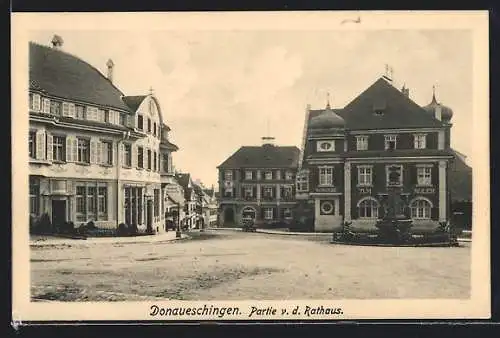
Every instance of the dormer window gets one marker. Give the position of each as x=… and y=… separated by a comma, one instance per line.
x=268, y=175
x=140, y=122
x=228, y=175
x=361, y=142
x=420, y=141
x=390, y=142
x=322, y=146
x=379, y=108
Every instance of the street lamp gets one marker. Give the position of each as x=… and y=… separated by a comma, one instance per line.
x=178, y=231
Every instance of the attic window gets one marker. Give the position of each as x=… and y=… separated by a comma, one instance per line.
x=379, y=107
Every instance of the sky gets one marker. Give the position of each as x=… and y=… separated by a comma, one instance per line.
x=222, y=89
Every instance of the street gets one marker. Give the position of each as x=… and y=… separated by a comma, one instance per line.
x=232, y=265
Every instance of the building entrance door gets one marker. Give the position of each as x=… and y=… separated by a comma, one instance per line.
x=58, y=212
x=229, y=216
x=149, y=215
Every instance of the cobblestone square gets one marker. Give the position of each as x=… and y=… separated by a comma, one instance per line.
x=231, y=265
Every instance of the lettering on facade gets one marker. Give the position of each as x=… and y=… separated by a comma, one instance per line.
x=326, y=189
x=425, y=190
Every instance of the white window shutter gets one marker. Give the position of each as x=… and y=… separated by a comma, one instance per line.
x=72, y=110
x=93, y=151
x=49, y=147
x=65, y=109
x=46, y=106
x=102, y=149
x=98, y=152
x=36, y=102
x=134, y=152
x=40, y=145
x=122, y=154
x=74, y=149
x=69, y=151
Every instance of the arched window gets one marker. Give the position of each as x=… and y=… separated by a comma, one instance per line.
x=368, y=208
x=420, y=209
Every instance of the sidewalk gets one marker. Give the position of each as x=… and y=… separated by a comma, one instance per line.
x=37, y=241
x=325, y=234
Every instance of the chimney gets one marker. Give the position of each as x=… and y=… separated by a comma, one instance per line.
x=405, y=91
x=57, y=42
x=110, y=66
x=268, y=141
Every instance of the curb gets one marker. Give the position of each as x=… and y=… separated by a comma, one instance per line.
x=146, y=239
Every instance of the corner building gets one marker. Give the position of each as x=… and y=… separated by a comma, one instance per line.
x=94, y=153
x=354, y=161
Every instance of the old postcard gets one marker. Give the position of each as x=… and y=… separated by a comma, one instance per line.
x=250, y=166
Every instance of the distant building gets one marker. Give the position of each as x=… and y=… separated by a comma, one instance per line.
x=94, y=153
x=210, y=207
x=381, y=154
x=192, y=200
x=258, y=182
x=461, y=192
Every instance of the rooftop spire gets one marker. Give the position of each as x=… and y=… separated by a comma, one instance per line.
x=434, y=94
x=328, y=100
x=151, y=90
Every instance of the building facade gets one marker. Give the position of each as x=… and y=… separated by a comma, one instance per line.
x=381, y=153
x=210, y=208
x=94, y=152
x=258, y=183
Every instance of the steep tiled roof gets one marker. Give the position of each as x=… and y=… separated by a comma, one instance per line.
x=266, y=156
x=399, y=111
x=133, y=102
x=66, y=76
x=460, y=179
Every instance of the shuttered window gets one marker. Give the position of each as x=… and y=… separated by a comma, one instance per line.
x=35, y=102
x=140, y=157
x=32, y=144
x=83, y=150
x=127, y=156
x=59, y=148
x=46, y=106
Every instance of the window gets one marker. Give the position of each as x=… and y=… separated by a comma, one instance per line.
x=140, y=122
x=268, y=213
x=420, y=209
x=123, y=119
x=80, y=112
x=394, y=175
x=248, y=192
x=267, y=192
x=35, y=102
x=59, y=148
x=248, y=175
x=154, y=129
x=34, y=196
x=228, y=175
x=390, y=142
x=80, y=204
x=149, y=125
x=364, y=175
x=361, y=142
x=368, y=208
x=165, y=163
x=228, y=192
x=326, y=176
x=287, y=192
x=424, y=175
x=268, y=175
x=325, y=146
x=55, y=108
x=83, y=150
x=101, y=116
x=91, y=201
x=420, y=141
x=288, y=175
x=303, y=181
x=127, y=148
x=102, y=203
x=154, y=161
x=149, y=159
x=32, y=144
x=287, y=213
x=107, y=152
x=140, y=157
